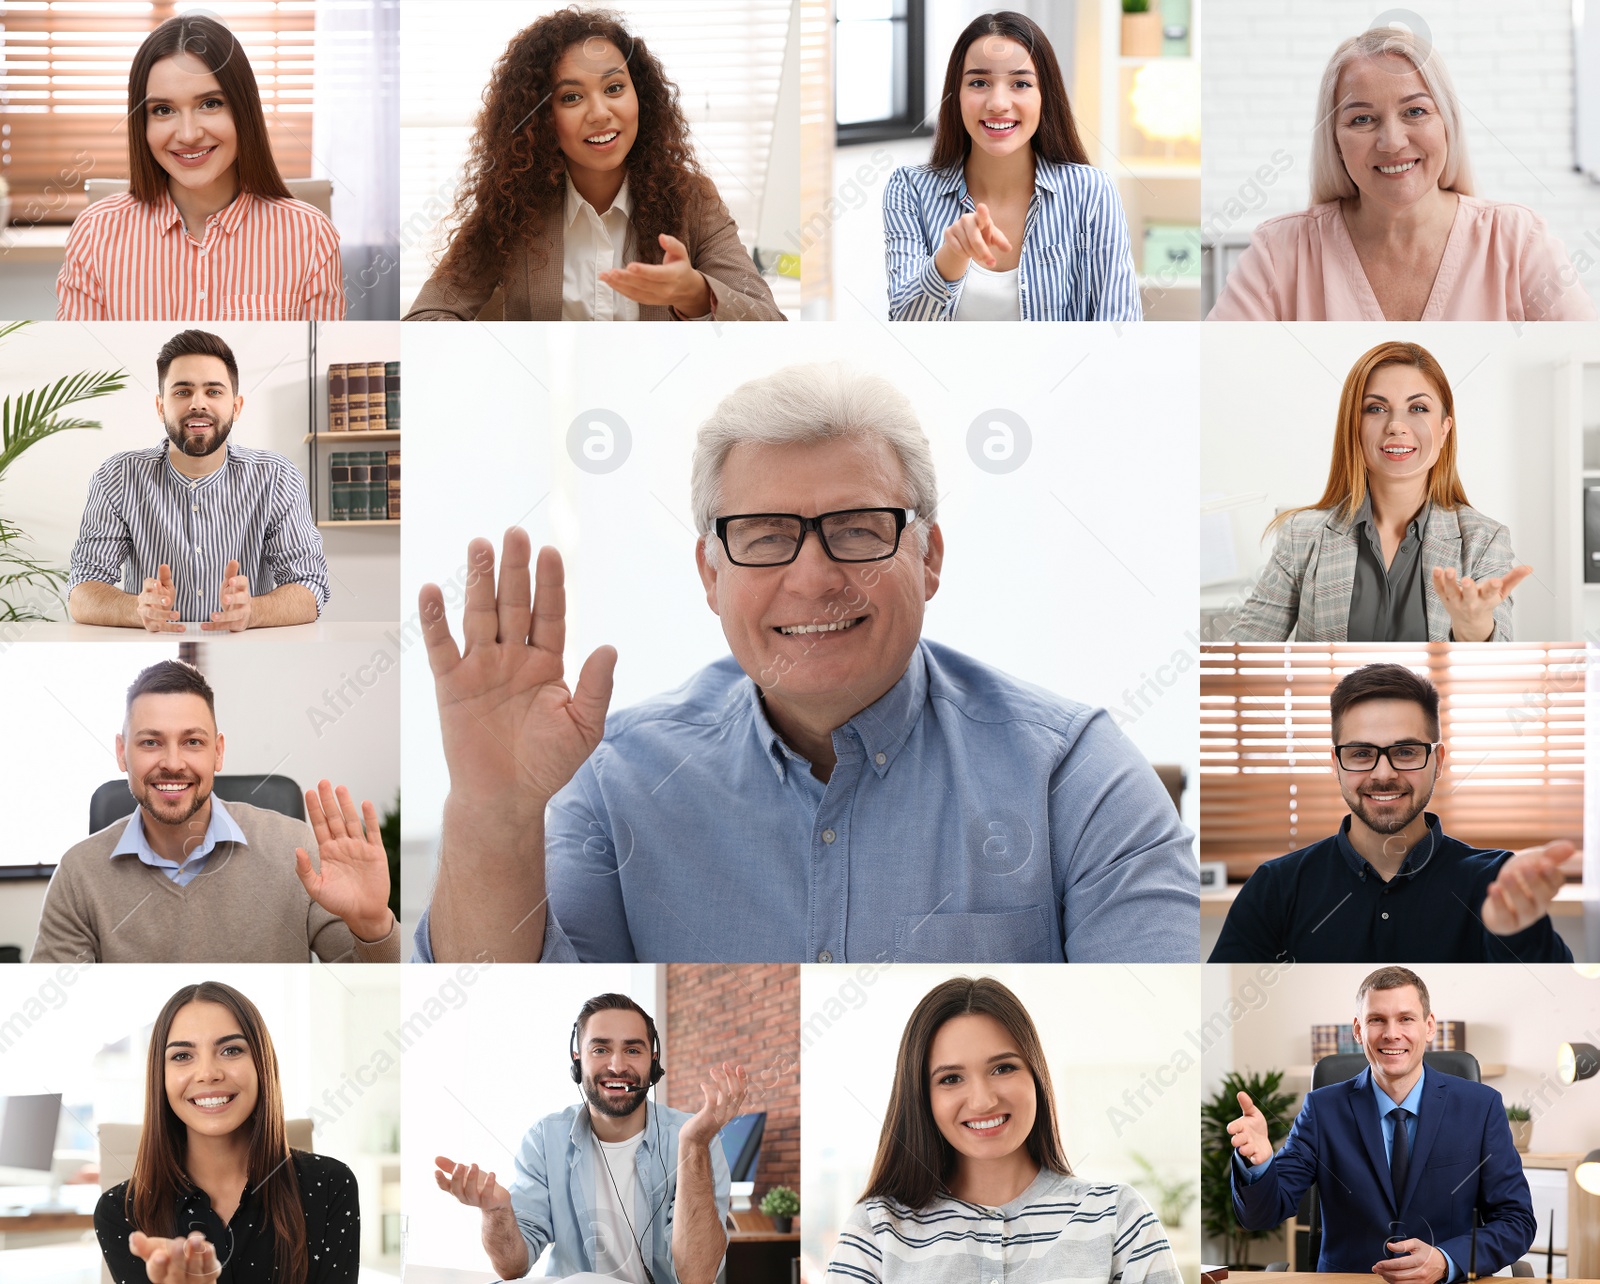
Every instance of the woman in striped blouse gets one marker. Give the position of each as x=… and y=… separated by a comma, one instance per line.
x=970, y=1171
x=207, y=231
x=1007, y=221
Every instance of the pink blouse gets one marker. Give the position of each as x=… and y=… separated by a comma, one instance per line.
x=1500, y=264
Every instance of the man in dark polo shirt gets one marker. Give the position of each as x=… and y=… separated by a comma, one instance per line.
x=1391, y=886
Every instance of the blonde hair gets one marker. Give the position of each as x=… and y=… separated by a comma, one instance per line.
x=1330, y=180
x=1347, y=474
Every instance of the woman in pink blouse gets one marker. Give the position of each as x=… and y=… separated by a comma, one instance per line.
x=1394, y=232
x=207, y=231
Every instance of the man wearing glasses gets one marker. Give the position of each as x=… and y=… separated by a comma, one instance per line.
x=837, y=789
x=1391, y=886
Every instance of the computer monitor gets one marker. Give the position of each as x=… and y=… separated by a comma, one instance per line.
x=28, y=1138
x=741, y=1143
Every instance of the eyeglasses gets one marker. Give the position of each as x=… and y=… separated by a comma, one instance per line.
x=847, y=535
x=1409, y=755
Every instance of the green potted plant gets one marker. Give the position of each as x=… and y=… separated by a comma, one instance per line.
x=1172, y=1197
x=1141, y=29
x=781, y=1204
x=1521, y=1122
x=26, y=419
x=1216, y=1156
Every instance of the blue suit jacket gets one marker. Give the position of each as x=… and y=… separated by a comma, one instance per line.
x=1463, y=1159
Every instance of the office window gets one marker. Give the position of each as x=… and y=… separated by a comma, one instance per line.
x=878, y=71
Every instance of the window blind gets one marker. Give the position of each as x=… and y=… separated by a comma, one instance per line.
x=65, y=90
x=1511, y=718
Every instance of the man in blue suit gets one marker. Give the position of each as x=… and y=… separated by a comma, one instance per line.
x=1403, y=1157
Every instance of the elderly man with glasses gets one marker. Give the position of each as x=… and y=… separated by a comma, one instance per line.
x=836, y=789
x=1390, y=886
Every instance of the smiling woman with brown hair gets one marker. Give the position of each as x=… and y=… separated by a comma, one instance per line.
x=217, y=1196
x=970, y=1169
x=583, y=200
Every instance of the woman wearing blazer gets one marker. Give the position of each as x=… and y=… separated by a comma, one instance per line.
x=583, y=200
x=1391, y=552
x=1007, y=221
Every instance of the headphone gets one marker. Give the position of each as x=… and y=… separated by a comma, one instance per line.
x=657, y=1070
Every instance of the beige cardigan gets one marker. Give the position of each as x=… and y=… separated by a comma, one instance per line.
x=533, y=293
x=246, y=906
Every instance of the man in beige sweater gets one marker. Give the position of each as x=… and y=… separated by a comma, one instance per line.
x=186, y=878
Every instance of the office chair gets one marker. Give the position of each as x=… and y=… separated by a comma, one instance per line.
x=112, y=801
x=313, y=191
x=1347, y=1065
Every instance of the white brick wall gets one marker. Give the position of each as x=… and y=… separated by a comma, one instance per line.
x=1512, y=66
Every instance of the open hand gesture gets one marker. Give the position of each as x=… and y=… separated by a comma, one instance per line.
x=972, y=236
x=1249, y=1133
x=672, y=283
x=234, y=617
x=1471, y=603
x=473, y=1188
x=156, y=613
x=514, y=733
x=724, y=1098
x=353, y=881
x=1523, y=889
x=190, y=1260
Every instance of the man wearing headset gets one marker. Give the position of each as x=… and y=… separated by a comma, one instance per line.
x=625, y=1189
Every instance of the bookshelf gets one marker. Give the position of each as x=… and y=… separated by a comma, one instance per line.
x=322, y=442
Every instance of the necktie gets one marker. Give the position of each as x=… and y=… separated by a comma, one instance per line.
x=1399, y=1154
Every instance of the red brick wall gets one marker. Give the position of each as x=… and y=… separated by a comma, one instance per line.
x=747, y=1015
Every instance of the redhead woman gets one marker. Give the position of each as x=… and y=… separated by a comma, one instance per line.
x=207, y=231
x=217, y=1196
x=970, y=1179
x=583, y=200
x=1392, y=552
x=1007, y=221
x=1395, y=231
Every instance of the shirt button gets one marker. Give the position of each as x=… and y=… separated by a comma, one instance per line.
x=1386, y=914
x=824, y=956
x=881, y=759
x=828, y=835
x=197, y=594
x=202, y=294
x=194, y=508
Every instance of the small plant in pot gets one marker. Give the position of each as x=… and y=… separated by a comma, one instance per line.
x=781, y=1204
x=1141, y=29
x=1521, y=1128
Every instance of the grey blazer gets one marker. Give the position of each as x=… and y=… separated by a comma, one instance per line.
x=1303, y=592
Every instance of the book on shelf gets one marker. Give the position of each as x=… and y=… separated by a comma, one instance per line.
x=339, y=486
x=377, y=485
x=338, y=398
x=356, y=378
x=360, y=481
x=392, y=476
x=377, y=402
x=391, y=394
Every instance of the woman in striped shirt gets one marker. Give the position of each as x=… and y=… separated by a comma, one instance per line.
x=207, y=230
x=970, y=1171
x=1007, y=221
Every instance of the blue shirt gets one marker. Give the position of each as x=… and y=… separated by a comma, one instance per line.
x=1076, y=263
x=969, y=818
x=553, y=1196
x=142, y=513
x=221, y=828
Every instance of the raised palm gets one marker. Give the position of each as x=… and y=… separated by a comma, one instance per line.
x=514, y=733
x=352, y=878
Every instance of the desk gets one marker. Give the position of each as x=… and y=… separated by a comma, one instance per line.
x=1331, y=1277
x=41, y=1222
x=369, y=632
x=758, y=1253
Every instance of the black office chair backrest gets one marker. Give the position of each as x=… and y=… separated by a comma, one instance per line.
x=1347, y=1065
x=112, y=801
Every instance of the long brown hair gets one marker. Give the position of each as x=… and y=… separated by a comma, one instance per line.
x=515, y=166
x=1347, y=474
x=159, y=1179
x=213, y=44
x=1056, y=139
x=914, y=1161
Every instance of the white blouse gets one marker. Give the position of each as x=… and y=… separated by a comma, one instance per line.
x=989, y=296
x=593, y=243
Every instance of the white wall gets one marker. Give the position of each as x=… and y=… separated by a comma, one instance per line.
x=44, y=491
x=1269, y=401
x=1054, y=608
x=1120, y=1087
x=1512, y=68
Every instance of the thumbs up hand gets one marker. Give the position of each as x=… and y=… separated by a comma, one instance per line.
x=1249, y=1133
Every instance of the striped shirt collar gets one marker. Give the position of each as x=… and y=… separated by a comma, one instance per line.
x=167, y=216
x=221, y=828
x=1046, y=178
x=196, y=482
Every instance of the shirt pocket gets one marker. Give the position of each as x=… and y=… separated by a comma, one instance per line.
x=1015, y=936
x=260, y=307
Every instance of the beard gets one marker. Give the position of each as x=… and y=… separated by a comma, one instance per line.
x=1393, y=819
x=195, y=803
x=616, y=1109
x=198, y=447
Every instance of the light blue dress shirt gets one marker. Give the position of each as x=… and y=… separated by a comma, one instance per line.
x=553, y=1196
x=221, y=828
x=1075, y=260
x=970, y=818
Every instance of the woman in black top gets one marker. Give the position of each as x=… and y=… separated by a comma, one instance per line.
x=217, y=1196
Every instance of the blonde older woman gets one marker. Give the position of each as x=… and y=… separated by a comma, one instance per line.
x=1394, y=232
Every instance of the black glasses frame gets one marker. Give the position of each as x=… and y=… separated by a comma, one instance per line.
x=903, y=517
x=1384, y=752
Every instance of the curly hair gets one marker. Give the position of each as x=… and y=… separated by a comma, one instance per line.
x=514, y=177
